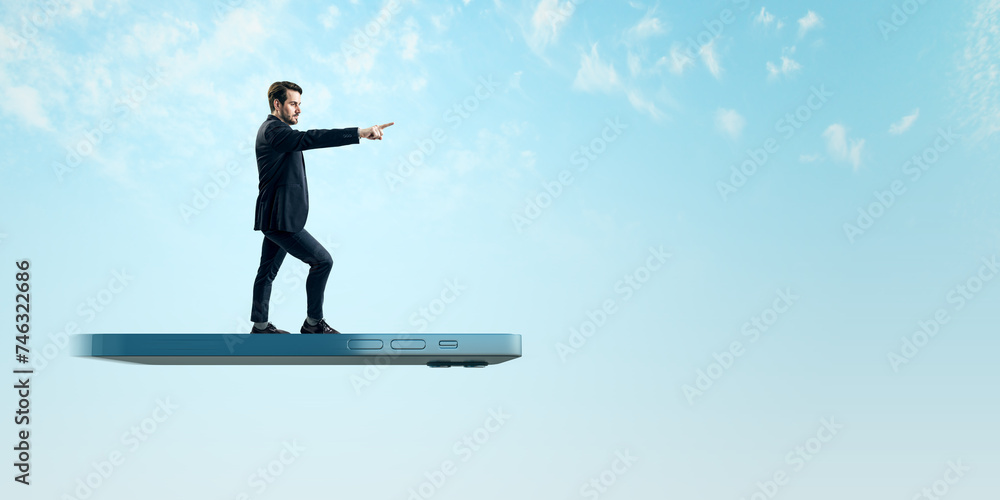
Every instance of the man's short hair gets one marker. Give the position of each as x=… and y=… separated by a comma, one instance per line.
x=279, y=91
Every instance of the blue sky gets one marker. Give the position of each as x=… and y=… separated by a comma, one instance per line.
x=776, y=223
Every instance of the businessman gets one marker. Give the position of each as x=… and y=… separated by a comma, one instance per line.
x=283, y=204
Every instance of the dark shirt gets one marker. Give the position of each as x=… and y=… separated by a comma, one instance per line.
x=283, y=202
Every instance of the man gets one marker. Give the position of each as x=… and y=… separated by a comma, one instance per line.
x=283, y=204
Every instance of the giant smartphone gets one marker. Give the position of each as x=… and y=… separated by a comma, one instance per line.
x=435, y=350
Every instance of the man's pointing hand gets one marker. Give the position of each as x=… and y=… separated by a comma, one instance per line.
x=374, y=132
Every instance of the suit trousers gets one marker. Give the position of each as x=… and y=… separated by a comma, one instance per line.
x=302, y=246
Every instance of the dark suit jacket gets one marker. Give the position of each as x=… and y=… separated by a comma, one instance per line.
x=283, y=202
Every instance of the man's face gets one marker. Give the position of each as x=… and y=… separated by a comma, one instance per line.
x=289, y=111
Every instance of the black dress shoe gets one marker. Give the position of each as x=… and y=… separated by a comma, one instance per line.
x=267, y=329
x=320, y=327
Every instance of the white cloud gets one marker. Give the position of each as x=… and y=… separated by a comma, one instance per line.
x=710, y=58
x=369, y=65
x=640, y=103
x=547, y=21
x=730, y=122
x=418, y=83
x=809, y=21
x=514, y=82
x=443, y=20
x=361, y=62
x=240, y=30
x=804, y=158
x=139, y=77
x=330, y=17
x=840, y=147
x=648, y=26
x=787, y=66
x=679, y=59
x=634, y=63
x=78, y=7
x=594, y=75
x=764, y=17
x=528, y=160
x=904, y=123
x=979, y=73
x=24, y=103
x=512, y=128
x=158, y=37
x=409, y=42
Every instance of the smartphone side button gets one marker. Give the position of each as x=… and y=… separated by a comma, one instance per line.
x=403, y=344
x=364, y=344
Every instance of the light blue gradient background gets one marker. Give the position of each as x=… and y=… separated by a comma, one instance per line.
x=394, y=250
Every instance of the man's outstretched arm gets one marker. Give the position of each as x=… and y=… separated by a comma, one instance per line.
x=285, y=139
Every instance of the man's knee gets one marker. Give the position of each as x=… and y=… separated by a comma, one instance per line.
x=272, y=273
x=268, y=271
x=266, y=274
x=324, y=262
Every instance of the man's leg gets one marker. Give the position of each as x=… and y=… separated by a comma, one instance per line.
x=271, y=257
x=304, y=247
